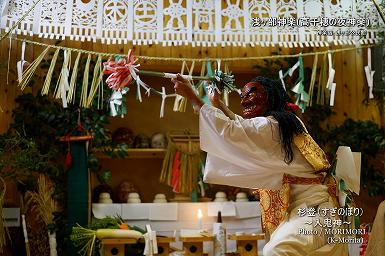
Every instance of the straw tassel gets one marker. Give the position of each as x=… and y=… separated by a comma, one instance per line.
x=100, y=90
x=180, y=168
x=83, y=96
x=322, y=83
x=165, y=175
x=97, y=76
x=28, y=73
x=47, y=81
x=72, y=89
x=312, y=80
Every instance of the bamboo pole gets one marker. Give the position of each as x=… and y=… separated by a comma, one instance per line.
x=76, y=138
x=171, y=75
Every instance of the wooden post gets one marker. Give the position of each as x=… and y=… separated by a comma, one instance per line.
x=193, y=246
x=247, y=245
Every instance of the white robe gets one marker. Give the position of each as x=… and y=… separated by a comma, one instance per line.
x=247, y=153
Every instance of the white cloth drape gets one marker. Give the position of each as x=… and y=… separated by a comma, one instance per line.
x=245, y=152
x=376, y=245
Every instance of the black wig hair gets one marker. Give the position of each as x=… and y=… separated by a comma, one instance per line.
x=289, y=125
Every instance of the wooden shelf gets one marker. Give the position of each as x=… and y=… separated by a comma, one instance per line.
x=251, y=237
x=139, y=153
x=196, y=238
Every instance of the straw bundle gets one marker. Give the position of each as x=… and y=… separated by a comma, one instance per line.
x=41, y=201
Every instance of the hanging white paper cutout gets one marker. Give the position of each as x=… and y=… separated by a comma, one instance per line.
x=164, y=96
x=116, y=20
x=175, y=29
x=369, y=74
x=292, y=69
x=20, y=64
x=282, y=79
x=116, y=101
x=330, y=84
x=197, y=22
x=203, y=29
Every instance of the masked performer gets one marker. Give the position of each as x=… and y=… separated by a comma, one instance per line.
x=269, y=148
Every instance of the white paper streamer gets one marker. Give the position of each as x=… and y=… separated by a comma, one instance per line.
x=140, y=83
x=330, y=84
x=348, y=168
x=20, y=64
x=296, y=88
x=332, y=94
x=164, y=96
x=281, y=78
x=292, y=69
x=116, y=99
x=64, y=85
x=151, y=246
x=369, y=74
x=163, y=101
x=332, y=72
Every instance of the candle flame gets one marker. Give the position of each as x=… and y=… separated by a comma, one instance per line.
x=200, y=215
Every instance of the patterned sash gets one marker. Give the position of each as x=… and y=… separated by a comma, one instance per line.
x=274, y=203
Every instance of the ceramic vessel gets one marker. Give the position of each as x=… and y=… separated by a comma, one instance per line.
x=160, y=196
x=242, y=197
x=133, y=200
x=220, y=197
x=160, y=201
x=105, y=201
x=133, y=196
x=105, y=198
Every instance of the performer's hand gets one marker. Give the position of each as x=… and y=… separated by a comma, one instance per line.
x=215, y=98
x=183, y=86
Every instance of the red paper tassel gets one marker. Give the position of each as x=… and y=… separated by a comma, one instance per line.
x=291, y=107
x=175, y=178
x=68, y=159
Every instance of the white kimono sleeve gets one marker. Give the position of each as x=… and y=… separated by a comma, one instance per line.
x=244, y=152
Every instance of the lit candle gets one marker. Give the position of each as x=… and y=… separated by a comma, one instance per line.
x=200, y=218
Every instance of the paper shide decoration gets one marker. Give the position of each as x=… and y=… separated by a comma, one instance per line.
x=330, y=84
x=302, y=97
x=369, y=73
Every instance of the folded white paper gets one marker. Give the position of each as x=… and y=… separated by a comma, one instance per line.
x=101, y=211
x=349, y=168
x=247, y=210
x=226, y=209
x=163, y=211
x=135, y=211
